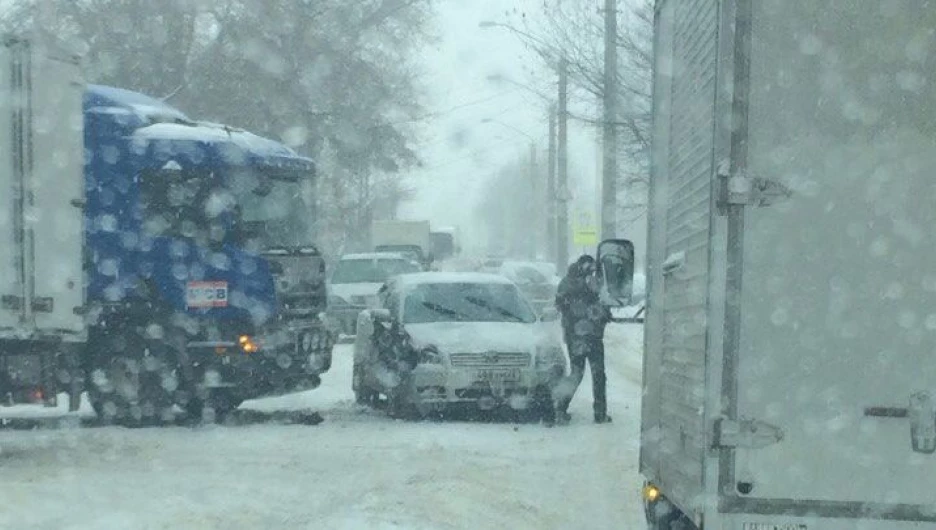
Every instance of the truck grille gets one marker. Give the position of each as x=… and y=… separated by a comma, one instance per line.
x=499, y=359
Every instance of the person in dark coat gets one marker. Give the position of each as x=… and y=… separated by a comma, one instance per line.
x=584, y=318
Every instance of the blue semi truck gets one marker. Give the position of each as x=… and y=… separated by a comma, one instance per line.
x=155, y=263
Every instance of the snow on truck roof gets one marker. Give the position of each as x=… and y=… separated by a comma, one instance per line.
x=179, y=139
x=421, y=278
x=149, y=109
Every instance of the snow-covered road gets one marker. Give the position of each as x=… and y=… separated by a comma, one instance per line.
x=356, y=470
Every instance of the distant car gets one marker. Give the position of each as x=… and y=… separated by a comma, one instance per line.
x=473, y=339
x=491, y=264
x=536, y=280
x=355, y=282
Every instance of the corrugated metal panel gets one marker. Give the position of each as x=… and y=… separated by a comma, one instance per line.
x=688, y=179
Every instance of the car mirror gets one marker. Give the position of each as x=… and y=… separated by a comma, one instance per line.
x=550, y=314
x=616, y=272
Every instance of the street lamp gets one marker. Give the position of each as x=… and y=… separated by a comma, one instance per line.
x=559, y=115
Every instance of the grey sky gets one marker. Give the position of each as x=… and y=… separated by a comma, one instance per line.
x=460, y=152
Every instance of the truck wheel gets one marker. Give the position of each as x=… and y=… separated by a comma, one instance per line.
x=663, y=515
x=134, y=392
x=215, y=408
x=362, y=394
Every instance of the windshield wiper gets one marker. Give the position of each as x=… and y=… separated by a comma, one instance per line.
x=443, y=310
x=487, y=305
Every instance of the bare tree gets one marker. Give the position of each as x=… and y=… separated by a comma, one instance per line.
x=313, y=73
x=575, y=30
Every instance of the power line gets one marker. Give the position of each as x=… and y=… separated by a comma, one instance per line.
x=474, y=153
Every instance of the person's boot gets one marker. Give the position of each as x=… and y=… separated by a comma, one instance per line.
x=602, y=418
x=563, y=417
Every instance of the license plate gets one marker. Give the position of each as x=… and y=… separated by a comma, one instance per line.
x=499, y=376
x=206, y=294
x=774, y=526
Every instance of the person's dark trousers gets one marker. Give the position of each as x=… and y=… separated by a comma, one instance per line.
x=594, y=354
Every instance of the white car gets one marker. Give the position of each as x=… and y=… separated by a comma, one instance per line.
x=355, y=282
x=446, y=339
x=537, y=281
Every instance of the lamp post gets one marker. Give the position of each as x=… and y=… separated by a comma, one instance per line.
x=560, y=194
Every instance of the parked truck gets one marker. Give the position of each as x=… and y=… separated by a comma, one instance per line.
x=410, y=238
x=445, y=242
x=789, y=380
x=147, y=259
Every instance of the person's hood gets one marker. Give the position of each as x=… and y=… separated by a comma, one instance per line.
x=481, y=337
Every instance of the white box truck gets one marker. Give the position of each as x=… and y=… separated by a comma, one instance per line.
x=789, y=372
x=410, y=238
x=42, y=287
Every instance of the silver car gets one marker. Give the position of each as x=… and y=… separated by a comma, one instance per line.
x=455, y=339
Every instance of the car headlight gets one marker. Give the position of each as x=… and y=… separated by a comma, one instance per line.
x=334, y=300
x=430, y=355
x=549, y=356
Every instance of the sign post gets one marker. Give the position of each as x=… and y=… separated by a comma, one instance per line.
x=584, y=231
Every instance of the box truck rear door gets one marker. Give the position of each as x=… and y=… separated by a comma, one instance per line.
x=836, y=364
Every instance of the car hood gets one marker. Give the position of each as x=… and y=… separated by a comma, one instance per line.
x=481, y=337
x=347, y=290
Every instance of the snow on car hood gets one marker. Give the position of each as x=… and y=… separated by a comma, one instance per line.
x=347, y=291
x=481, y=337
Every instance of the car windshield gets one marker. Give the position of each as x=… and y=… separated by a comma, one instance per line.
x=279, y=211
x=465, y=302
x=371, y=270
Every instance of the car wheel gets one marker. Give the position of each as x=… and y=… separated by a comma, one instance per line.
x=362, y=394
x=400, y=408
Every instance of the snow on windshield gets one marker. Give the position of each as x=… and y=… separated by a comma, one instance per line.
x=465, y=302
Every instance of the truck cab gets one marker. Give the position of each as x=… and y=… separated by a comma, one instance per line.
x=201, y=235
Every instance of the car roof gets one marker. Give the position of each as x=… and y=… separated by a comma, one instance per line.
x=423, y=278
x=374, y=255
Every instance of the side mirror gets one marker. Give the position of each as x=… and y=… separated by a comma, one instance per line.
x=549, y=314
x=616, y=272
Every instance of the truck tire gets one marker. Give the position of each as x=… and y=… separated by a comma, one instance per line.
x=215, y=408
x=133, y=391
x=130, y=382
x=663, y=515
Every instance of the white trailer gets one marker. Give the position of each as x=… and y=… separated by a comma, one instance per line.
x=408, y=237
x=42, y=292
x=789, y=373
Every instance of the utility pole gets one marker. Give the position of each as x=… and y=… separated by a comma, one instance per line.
x=551, y=197
x=609, y=138
x=562, y=160
x=534, y=205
